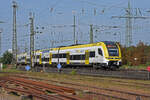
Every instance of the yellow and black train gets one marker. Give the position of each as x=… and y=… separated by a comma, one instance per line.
x=105, y=54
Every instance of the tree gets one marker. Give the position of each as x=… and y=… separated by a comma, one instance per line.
x=136, y=55
x=7, y=58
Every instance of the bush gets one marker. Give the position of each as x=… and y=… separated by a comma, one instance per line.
x=4, y=66
x=136, y=55
x=7, y=58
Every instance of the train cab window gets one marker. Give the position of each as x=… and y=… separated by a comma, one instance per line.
x=100, y=52
x=92, y=54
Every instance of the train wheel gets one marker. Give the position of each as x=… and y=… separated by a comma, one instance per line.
x=114, y=68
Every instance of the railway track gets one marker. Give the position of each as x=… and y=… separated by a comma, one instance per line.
x=92, y=90
x=122, y=82
x=37, y=89
x=128, y=74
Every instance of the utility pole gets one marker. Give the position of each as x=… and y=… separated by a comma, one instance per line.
x=31, y=39
x=14, y=40
x=129, y=17
x=91, y=33
x=128, y=37
x=26, y=48
x=0, y=42
x=74, y=29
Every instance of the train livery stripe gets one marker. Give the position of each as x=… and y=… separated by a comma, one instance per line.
x=50, y=58
x=119, y=50
x=68, y=58
x=105, y=50
x=86, y=57
x=40, y=58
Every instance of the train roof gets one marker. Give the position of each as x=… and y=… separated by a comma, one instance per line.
x=84, y=45
x=77, y=46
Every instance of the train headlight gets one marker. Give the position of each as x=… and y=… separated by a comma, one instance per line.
x=115, y=63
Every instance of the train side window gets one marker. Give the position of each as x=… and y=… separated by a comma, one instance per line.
x=64, y=55
x=38, y=56
x=28, y=60
x=71, y=57
x=92, y=54
x=77, y=57
x=83, y=57
x=47, y=59
x=59, y=56
x=100, y=52
x=53, y=56
x=43, y=59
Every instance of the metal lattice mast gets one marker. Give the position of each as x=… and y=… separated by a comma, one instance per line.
x=128, y=37
x=74, y=29
x=32, y=39
x=129, y=17
x=91, y=33
x=0, y=42
x=14, y=40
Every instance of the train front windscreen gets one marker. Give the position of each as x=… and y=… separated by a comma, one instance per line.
x=112, y=49
x=113, y=52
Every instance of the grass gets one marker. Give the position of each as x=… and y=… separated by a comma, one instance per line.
x=12, y=71
x=103, y=82
x=140, y=67
x=86, y=80
x=73, y=72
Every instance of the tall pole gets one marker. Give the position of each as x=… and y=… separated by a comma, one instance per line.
x=26, y=48
x=128, y=37
x=31, y=39
x=74, y=29
x=91, y=33
x=14, y=40
x=0, y=42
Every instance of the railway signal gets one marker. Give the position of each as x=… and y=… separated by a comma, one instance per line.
x=148, y=69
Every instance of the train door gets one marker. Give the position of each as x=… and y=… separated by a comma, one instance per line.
x=86, y=57
x=50, y=58
x=40, y=58
x=68, y=58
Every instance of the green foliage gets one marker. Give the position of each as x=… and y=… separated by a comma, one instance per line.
x=136, y=55
x=7, y=58
x=73, y=72
x=148, y=63
x=4, y=66
x=143, y=67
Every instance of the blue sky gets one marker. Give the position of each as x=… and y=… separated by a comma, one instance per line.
x=59, y=13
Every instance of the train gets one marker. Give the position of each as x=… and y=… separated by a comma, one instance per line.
x=105, y=54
